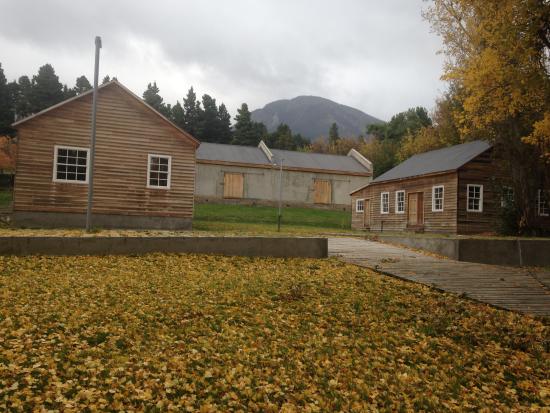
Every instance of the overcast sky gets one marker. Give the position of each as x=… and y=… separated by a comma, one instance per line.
x=376, y=55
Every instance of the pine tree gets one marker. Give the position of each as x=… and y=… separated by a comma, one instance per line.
x=178, y=115
x=82, y=85
x=106, y=79
x=208, y=130
x=224, y=128
x=333, y=134
x=153, y=99
x=46, y=89
x=191, y=110
x=23, y=96
x=246, y=131
x=6, y=104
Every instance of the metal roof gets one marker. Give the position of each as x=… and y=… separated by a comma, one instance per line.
x=231, y=153
x=440, y=160
x=291, y=159
x=310, y=160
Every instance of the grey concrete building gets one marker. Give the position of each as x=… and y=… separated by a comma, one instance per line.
x=251, y=175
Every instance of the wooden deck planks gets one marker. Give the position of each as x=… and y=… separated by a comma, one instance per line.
x=512, y=288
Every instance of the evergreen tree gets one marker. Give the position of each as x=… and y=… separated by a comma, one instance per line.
x=68, y=93
x=82, y=85
x=224, y=128
x=106, y=79
x=6, y=104
x=333, y=134
x=46, y=89
x=152, y=97
x=23, y=96
x=246, y=131
x=178, y=115
x=207, y=130
x=191, y=111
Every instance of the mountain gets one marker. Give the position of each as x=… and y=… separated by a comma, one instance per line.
x=311, y=116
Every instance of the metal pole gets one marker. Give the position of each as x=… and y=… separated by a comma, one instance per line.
x=280, y=195
x=92, y=139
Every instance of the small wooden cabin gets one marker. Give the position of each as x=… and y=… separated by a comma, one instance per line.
x=144, y=170
x=449, y=190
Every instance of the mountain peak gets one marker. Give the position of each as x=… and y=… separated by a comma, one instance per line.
x=312, y=116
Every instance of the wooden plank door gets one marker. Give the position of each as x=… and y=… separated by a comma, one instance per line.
x=366, y=213
x=233, y=185
x=420, y=209
x=412, y=209
x=322, y=191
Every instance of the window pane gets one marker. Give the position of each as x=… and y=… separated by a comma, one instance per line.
x=81, y=177
x=72, y=152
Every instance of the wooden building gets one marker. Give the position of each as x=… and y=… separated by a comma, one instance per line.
x=144, y=170
x=450, y=190
x=251, y=175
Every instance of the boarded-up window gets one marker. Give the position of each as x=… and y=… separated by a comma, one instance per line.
x=233, y=184
x=322, y=191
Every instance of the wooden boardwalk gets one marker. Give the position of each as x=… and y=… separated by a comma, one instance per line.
x=518, y=289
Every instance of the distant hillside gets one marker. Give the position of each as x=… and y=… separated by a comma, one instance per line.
x=311, y=116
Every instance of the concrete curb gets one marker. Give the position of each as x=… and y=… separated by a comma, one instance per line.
x=511, y=252
x=289, y=247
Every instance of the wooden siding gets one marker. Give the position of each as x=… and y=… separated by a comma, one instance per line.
x=233, y=185
x=444, y=221
x=322, y=190
x=478, y=171
x=127, y=131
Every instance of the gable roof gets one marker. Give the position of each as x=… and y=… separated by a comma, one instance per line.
x=255, y=156
x=437, y=161
x=188, y=136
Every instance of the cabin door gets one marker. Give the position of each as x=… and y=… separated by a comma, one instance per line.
x=415, y=209
x=366, y=213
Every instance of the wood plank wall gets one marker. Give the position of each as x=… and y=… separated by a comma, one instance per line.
x=444, y=221
x=127, y=132
x=478, y=171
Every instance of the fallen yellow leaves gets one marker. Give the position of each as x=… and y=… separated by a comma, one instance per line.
x=206, y=333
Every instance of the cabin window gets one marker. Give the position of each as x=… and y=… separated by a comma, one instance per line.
x=385, y=203
x=507, y=197
x=71, y=164
x=400, y=202
x=437, y=198
x=360, y=205
x=159, y=169
x=543, y=203
x=474, y=198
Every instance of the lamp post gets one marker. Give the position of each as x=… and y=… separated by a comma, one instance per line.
x=92, y=139
x=279, y=214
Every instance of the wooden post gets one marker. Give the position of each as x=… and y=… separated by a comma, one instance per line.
x=280, y=195
x=92, y=138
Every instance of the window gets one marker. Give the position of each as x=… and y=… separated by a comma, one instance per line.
x=474, y=198
x=360, y=205
x=437, y=198
x=507, y=197
x=70, y=164
x=543, y=203
x=385, y=203
x=158, y=171
x=400, y=202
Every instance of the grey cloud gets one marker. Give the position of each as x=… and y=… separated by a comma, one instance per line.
x=245, y=50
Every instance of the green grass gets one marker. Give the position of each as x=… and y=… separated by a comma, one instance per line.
x=5, y=198
x=243, y=218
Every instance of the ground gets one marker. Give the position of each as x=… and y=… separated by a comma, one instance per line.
x=173, y=332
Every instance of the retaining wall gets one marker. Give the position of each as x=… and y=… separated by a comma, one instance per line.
x=514, y=252
x=241, y=246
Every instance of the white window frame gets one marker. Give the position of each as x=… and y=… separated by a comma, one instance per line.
x=382, y=203
x=434, y=209
x=169, y=180
x=362, y=200
x=480, y=198
x=73, y=148
x=539, y=204
x=397, y=211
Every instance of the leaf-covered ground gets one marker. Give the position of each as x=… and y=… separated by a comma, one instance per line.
x=207, y=333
